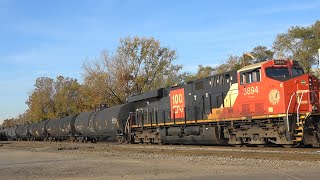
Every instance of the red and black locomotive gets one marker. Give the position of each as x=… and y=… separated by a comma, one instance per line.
x=272, y=102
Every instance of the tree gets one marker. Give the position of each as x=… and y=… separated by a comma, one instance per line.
x=139, y=65
x=262, y=53
x=40, y=102
x=95, y=88
x=299, y=43
x=149, y=64
x=53, y=98
x=66, y=96
x=233, y=63
x=203, y=71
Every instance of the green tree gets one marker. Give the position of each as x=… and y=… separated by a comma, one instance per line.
x=232, y=63
x=262, y=53
x=299, y=43
x=203, y=71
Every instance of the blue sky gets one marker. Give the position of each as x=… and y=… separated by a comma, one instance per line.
x=50, y=38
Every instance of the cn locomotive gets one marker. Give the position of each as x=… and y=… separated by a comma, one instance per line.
x=271, y=102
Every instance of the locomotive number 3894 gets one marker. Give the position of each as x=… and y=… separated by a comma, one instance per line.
x=251, y=90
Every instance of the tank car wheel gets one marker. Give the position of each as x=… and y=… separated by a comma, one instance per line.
x=287, y=145
x=261, y=145
x=237, y=145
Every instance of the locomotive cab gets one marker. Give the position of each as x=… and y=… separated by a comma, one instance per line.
x=279, y=89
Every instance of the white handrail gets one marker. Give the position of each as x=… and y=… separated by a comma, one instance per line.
x=288, y=127
x=299, y=107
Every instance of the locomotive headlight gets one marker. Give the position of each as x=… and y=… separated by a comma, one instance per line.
x=314, y=108
x=310, y=81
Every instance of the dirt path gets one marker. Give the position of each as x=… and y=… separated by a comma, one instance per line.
x=38, y=160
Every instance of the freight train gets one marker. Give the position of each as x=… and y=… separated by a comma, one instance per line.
x=268, y=103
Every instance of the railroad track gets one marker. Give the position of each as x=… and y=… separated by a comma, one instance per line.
x=273, y=153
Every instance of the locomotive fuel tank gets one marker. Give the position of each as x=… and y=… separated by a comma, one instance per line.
x=205, y=135
x=38, y=130
x=22, y=131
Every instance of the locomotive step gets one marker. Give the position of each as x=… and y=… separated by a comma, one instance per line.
x=298, y=139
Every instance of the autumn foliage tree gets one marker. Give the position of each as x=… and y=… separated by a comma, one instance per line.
x=299, y=43
x=53, y=98
x=138, y=65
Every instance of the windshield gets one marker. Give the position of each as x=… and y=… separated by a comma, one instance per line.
x=297, y=71
x=277, y=72
x=283, y=73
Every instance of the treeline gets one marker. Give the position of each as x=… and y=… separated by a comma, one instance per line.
x=141, y=64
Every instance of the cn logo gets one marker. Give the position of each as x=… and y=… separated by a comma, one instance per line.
x=177, y=103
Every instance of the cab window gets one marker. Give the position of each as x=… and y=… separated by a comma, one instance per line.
x=250, y=76
x=297, y=71
x=277, y=72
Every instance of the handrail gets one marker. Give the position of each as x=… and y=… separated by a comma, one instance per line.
x=288, y=111
x=299, y=106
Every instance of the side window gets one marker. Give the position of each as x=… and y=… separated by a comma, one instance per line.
x=250, y=77
x=242, y=78
x=227, y=78
x=221, y=80
x=256, y=75
x=199, y=85
x=214, y=82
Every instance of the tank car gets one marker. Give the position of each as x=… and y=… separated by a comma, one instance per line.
x=84, y=127
x=110, y=122
x=22, y=132
x=3, y=132
x=61, y=129
x=105, y=124
x=38, y=130
x=11, y=133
